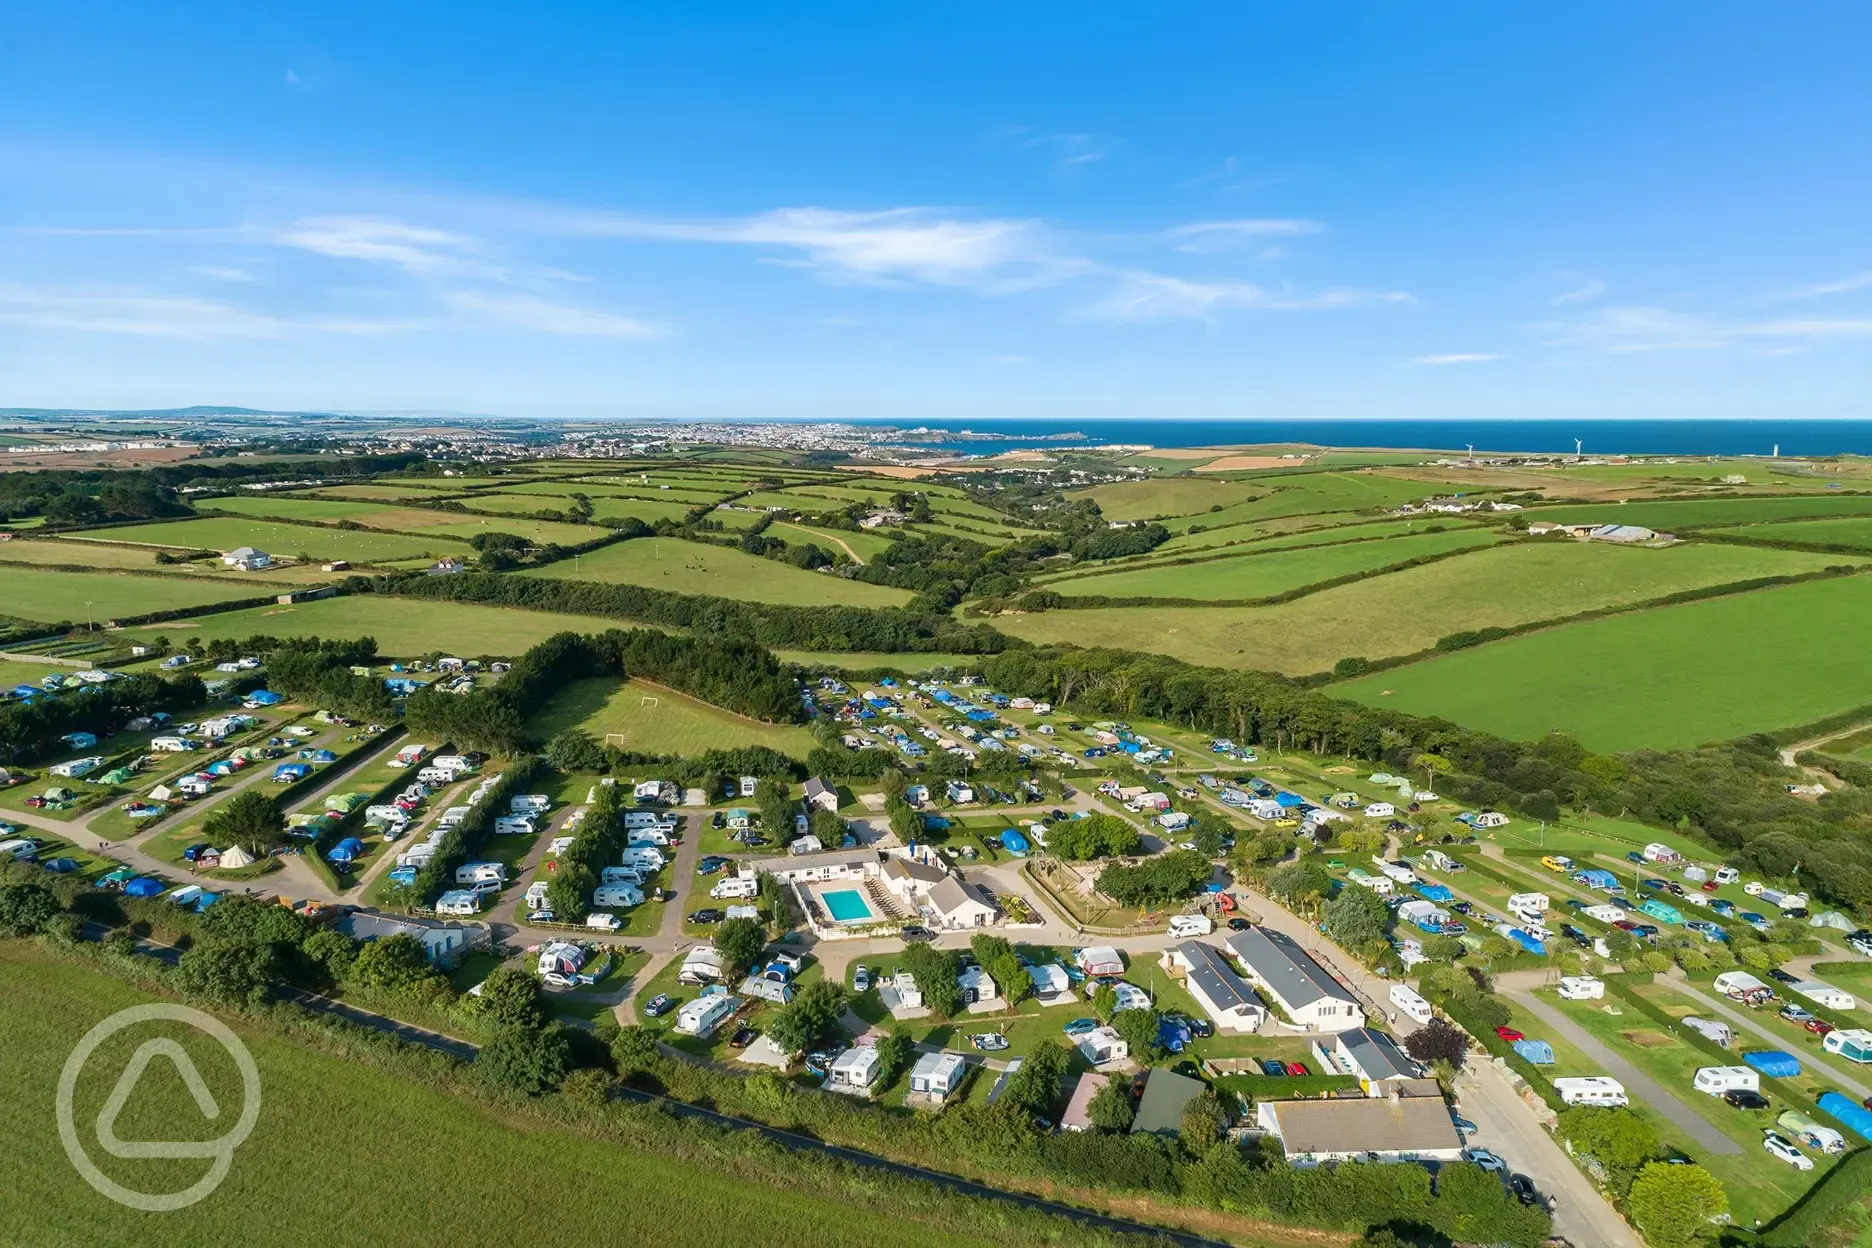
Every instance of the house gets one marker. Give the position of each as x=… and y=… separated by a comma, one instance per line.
x=911, y=879
x=977, y=985
x=706, y=1012
x=938, y=1075
x=1383, y=1129
x=1224, y=996
x=1078, y=1115
x=821, y=795
x=1166, y=1095
x=1374, y=1057
x=1291, y=978
x=443, y=942
x=444, y=567
x=854, y=1070
x=957, y=903
x=247, y=559
x=837, y=864
x=1103, y=1045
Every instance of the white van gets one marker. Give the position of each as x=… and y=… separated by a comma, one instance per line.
x=749, y=887
x=622, y=896
x=513, y=825
x=1184, y=926
x=603, y=921
x=1716, y=1080
x=481, y=873
x=1581, y=988
x=1410, y=1004
x=1600, y=1090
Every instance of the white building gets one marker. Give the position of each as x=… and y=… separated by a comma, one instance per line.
x=955, y=903
x=1383, y=1129
x=1224, y=995
x=938, y=1075
x=1290, y=977
x=837, y=864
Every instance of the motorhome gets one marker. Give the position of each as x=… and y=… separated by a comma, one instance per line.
x=1529, y=905
x=748, y=886
x=1581, y=988
x=1184, y=926
x=530, y=804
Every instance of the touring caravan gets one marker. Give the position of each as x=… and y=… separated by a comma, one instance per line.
x=1599, y=1090
x=1716, y=1080
x=606, y=896
x=481, y=873
x=1410, y=1004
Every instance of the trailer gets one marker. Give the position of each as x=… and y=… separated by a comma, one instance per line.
x=1598, y=1090
x=1824, y=994
x=1411, y=1004
x=1716, y=1080
x=1852, y=1043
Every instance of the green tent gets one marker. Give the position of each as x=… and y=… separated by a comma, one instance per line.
x=345, y=803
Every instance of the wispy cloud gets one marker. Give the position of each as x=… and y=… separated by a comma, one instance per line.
x=1858, y=281
x=1585, y=292
x=547, y=317
x=1154, y=296
x=421, y=250
x=1068, y=149
x=1457, y=357
x=141, y=314
x=1627, y=330
x=1200, y=237
x=223, y=273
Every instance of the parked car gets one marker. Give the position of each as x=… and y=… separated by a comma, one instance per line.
x=708, y=914
x=1509, y=1034
x=1271, y=1066
x=918, y=934
x=1297, y=1069
x=1523, y=1188
x=989, y=1041
x=542, y=916
x=743, y=1037
x=1575, y=935
x=1485, y=1159
x=861, y=979
x=1778, y=974
x=1239, y=925
x=1462, y=907
x=1794, y=1013
x=1464, y=1125
x=1782, y=1148
x=660, y=1005
x=1744, y=1098
x=1080, y=1026
x=1819, y=1026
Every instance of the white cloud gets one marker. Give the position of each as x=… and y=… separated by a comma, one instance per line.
x=1256, y=226
x=532, y=312
x=1152, y=296
x=419, y=250
x=1858, y=281
x=223, y=274
x=1457, y=357
x=1588, y=290
x=1636, y=329
x=140, y=314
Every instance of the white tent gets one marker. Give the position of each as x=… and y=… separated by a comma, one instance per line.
x=235, y=856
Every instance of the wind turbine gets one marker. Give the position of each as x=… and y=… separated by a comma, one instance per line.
x=1579, y=449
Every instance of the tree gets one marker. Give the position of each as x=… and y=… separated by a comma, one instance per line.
x=1299, y=885
x=935, y=973
x=1356, y=917
x=25, y=909
x=575, y=750
x=250, y=819
x=329, y=953
x=230, y=972
x=1036, y=1085
x=1619, y=1140
x=635, y=1048
x=895, y=1053
x=530, y=1061
x=1438, y=1041
x=1111, y=1108
x=1204, y=1121
x=1139, y=1028
x=740, y=943
x=1164, y=878
x=1105, y=1002
x=1674, y=1205
x=510, y=997
x=391, y=964
x=812, y=1015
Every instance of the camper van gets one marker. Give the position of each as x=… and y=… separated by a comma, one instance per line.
x=1410, y=1004
x=1184, y=926
x=1716, y=1080
x=1581, y=988
x=607, y=896
x=736, y=887
x=530, y=804
x=1599, y=1090
x=603, y=921
x=481, y=873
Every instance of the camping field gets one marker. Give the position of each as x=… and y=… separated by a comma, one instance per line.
x=651, y=719
x=41, y=594
x=1407, y=611
x=1666, y=677
x=225, y=533
x=697, y=568
x=286, y=1177
x=404, y=627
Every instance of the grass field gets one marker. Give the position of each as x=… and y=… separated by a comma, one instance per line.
x=1664, y=514
x=288, y=507
x=697, y=568
x=1264, y=575
x=18, y=672
x=97, y=556
x=1856, y=533
x=1404, y=612
x=225, y=533
x=1168, y=496
x=605, y=507
x=367, y=493
x=1672, y=676
x=865, y=546
x=1303, y=493
x=403, y=627
x=863, y=661
x=280, y=1188
x=654, y=720
x=1251, y=538
x=39, y=594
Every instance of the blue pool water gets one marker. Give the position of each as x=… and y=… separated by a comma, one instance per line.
x=846, y=904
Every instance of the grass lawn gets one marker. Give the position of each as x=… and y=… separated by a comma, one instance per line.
x=19, y=672
x=282, y=1178
x=697, y=568
x=1651, y=678
x=1856, y=533
x=1304, y=493
x=673, y=724
x=1404, y=612
x=225, y=533
x=40, y=594
x=403, y=627
x=1264, y=575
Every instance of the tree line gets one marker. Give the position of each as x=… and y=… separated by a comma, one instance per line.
x=32, y=728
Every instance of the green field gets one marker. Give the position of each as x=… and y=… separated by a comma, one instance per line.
x=697, y=568
x=1672, y=676
x=1853, y=533
x=1169, y=496
x=290, y=507
x=225, y=533
x=96, y=556
x=1306, y=493
x=40, y=594
x=1265, y=575
x=1665, y=514
x=403, y=627
x=368, y=493
x=1249, y=539
x=907, y=663
x=605, y=507
x=651, y=719
x=284, y=1179
x=1404, y=612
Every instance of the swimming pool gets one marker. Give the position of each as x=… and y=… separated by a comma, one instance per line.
x=847, y=905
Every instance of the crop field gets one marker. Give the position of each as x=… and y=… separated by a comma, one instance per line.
x=1321, y=524
x=697, y=568
x=284, y=1177
x=654, y=720
x=1668, y=677
x=226, y=533
x=1168, y=496
x=1854, y=533
x=403, y=627
x=1664, y=514
x=40, y=594
x=1404, y=612
x=1264, y=575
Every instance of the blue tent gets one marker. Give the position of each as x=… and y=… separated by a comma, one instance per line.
x=144, y=886
x=1774, y=1063
x=1287, y=801
x=266, y=697
x=345, y=850
x=1171, y=1034
x=1850, y=1115
x=291, y=771
x=1526, y=941
x=1434, y=892
x=1597, y=878
x=60, y=866
x=1536, y=1052
x=318, y=756
x=403, y=875
x=206, y=900
x=1013, y=842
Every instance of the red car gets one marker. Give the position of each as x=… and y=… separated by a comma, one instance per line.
x=1819, y=1026
x=1509, y=1034
x=1296, y=1069
x=1709, y=886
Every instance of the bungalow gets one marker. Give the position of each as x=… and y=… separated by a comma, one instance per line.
x=938, y=1075
x=1078, y=1115
x=855, y=1070
x=1382, y=1129
x=1103, y=1045
x=954, y=903
x=706, y=1012
x=1374, y=1057
x=442, y=942
x=821, y=795
x=911, y=879
x=1225, y=996
x=247, y=559
x=837, y=864
x=1300, y=986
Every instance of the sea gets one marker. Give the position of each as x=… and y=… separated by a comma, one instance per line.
x=1591, y=437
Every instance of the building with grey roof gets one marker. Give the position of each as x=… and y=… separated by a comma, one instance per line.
x=1290, y=977
x=1224, y=995
x=1388, y=1128
x=1374, y=1057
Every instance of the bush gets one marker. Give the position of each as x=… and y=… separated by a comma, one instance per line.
x=26, y=909
x=527, y=1060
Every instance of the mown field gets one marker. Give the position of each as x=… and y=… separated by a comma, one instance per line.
x=1855, y=533
x=1304, y=493
x=698, y=568
x=604, y=507
x=291, y=507
x=291, y=1183
x=656, y=720
x=1672, y=676
x=1265, y=575
x=1168, y=496
x=41, y=594
x=99, y=557
x=1405, y=612
x=404, y=627
x=225, y=533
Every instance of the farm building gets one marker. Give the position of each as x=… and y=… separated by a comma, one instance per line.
x=1224, y=995
x=1302, y=987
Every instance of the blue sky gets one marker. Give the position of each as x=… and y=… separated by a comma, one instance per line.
x=972, y=211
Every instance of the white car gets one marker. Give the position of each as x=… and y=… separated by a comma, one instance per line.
x=1487, y=1160
x=1783, y=1148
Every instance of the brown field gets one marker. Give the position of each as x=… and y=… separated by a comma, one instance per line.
x=1648, y=1039
x=99, y=459
x=1243, y=463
